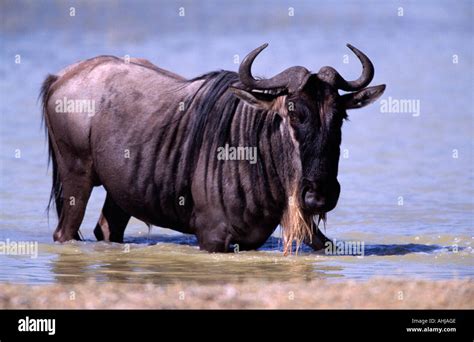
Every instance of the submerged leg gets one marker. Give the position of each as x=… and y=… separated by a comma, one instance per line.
x=112, y=222
x=76, y=191
x=215, y=239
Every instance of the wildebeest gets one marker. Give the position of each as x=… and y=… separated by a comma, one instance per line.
x=152, y=138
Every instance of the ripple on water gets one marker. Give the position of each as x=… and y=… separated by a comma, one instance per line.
x=177, y=258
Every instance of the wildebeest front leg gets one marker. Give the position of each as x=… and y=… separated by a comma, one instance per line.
x=112, y=222
x=318, y=240
x=215, y=239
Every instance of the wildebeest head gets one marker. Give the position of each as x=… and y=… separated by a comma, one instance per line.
x=315, y=110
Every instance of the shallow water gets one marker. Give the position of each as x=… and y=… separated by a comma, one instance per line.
x=165, y=258
x=404, y=194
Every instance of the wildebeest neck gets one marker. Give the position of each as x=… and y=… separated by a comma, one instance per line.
x=219, y=118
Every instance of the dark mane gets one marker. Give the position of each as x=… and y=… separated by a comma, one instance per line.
x=213, y=108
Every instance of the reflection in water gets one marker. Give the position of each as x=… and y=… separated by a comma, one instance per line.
x=163, y=259
x=401, y=249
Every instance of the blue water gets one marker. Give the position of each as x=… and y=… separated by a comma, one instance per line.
x=407, y=182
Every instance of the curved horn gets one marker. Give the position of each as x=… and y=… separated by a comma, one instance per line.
x=331, y=76
x=292, y=78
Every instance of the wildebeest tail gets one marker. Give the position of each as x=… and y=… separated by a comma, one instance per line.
x=56, y=187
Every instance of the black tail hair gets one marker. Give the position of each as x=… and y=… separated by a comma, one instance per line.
x=56, y=188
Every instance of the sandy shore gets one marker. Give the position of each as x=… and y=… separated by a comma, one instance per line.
x=375, y=293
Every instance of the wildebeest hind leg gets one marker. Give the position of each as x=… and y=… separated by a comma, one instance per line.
x=76, y=191
x=112, y=222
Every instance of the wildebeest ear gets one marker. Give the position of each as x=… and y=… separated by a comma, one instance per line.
x=251, y=99
x=362, y=97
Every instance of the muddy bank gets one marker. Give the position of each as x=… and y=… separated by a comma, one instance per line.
x=375, y=293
